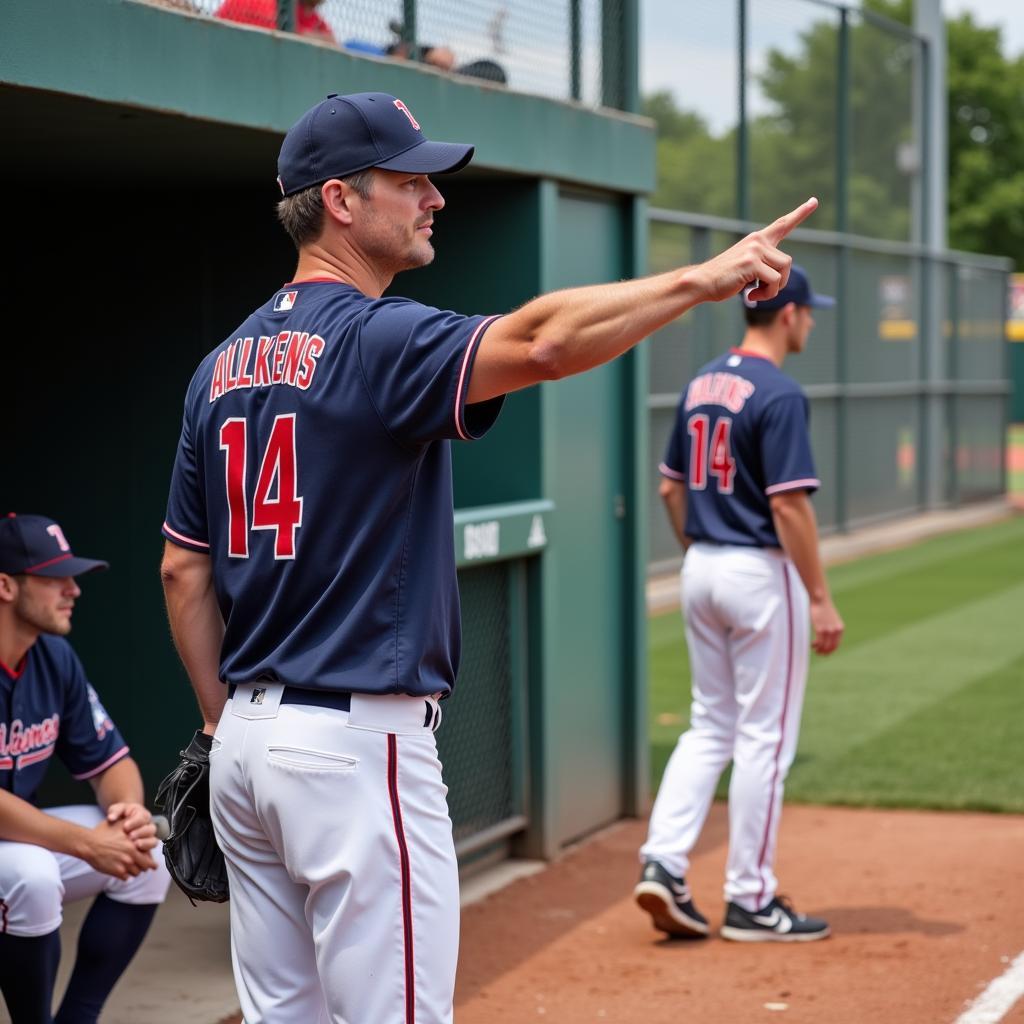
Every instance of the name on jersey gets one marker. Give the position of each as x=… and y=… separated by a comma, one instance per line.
x=29, y=743
x=725, y=389
x=286, y=358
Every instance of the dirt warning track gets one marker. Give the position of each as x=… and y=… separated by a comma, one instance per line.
x=927, y=911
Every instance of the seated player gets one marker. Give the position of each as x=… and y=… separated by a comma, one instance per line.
x=47, y=857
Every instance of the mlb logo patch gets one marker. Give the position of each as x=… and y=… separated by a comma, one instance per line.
x=285, y=301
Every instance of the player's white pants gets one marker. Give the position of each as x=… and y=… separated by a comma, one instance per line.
x=746, y=616
x=344, y=882
x=35, y=883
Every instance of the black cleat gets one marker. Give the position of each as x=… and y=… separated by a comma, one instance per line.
x=667, y=899
x=776, y=921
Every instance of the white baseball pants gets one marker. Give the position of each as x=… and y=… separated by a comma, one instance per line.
x=746, y=617
x=344, y=882
x=35, y=883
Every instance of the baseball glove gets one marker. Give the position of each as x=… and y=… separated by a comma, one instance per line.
x=193, y=857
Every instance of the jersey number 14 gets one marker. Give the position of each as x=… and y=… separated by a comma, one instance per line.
x=714, y=455
x=278, y=476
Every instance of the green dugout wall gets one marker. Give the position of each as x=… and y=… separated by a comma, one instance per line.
x=140, y=149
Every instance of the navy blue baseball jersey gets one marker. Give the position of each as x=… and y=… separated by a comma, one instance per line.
x=314, y=468
x=47, y=707
x=740, y=436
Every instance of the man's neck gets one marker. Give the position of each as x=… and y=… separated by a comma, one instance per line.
x=766, y=344
x=15, y=640
x=347, y=267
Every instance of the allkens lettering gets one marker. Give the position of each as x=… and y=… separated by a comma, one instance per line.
x=286, y=358
x=719, y=389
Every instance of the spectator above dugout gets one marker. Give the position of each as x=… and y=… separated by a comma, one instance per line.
x=263, y=13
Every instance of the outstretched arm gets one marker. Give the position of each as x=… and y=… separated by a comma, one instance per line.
x=567, y=332
x=196, y=625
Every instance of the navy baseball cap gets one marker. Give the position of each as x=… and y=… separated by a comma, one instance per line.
x=36, y=546
x=798, y=289
x=345, y=134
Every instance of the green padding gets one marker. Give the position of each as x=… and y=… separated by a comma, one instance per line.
x=500, y=532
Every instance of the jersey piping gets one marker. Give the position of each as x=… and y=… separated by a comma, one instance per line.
x=793, y=485
x=183, y=539
x=463, y=386
x=112, y=760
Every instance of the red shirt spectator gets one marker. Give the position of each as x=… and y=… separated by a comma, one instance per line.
x=264, y=14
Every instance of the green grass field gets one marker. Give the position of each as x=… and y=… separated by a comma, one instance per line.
x=923, y=705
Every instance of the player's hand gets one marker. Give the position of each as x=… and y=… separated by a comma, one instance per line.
x=109, y=849
x=828, y=626
x=137, y=823
x=754, y=259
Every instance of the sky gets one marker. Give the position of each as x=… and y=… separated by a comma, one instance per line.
x=1007, y=14
x=689, y=46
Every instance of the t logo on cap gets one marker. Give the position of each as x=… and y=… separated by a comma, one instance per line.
x=408, y=113
x=343, y=135
x=58, y=534
x=36, y=546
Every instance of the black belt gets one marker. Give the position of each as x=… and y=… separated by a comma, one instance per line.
x=340, y=700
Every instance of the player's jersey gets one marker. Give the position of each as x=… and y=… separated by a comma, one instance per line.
x=47, y=707
x=314, y=469
x=740, y=436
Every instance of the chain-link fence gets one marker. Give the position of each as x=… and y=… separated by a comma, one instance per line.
x=481, y=742
x=573, y=50
x=760, y=104
x=870, y=369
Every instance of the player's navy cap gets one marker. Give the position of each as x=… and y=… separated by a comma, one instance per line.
x=798, y=289
x=37, y=546
x=345, y=134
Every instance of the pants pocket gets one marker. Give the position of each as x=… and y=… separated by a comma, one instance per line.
x=307, y=760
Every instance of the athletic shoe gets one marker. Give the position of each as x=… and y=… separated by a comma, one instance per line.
x=667, y=899
x=774, y=922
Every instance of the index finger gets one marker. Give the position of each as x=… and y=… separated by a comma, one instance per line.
x=777, y=230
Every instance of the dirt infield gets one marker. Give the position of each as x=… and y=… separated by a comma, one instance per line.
x=926, y=910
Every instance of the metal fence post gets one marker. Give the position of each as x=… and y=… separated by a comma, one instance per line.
x=409, y=35
x=575, y=45
x=931, y=26
x=742, y=134
x=842, y=263
x=620, y=87
x=629, y=51
x=286, y=15
x=703, y=326
x=951, y=400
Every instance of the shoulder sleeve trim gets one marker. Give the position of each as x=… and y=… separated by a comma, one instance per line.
x=672, y=474
x=467, y=363
x=112, y=760
x=807, y=484
x=180, y=538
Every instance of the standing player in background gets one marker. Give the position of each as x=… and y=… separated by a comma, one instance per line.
x=310, y=562
x=736, y=482
x=47, y=857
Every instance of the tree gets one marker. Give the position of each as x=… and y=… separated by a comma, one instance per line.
x=793, y=148
x=696, y=171
x=986, y=142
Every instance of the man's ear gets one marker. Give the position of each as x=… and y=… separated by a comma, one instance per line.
x=338, y=199
x=8, y=587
